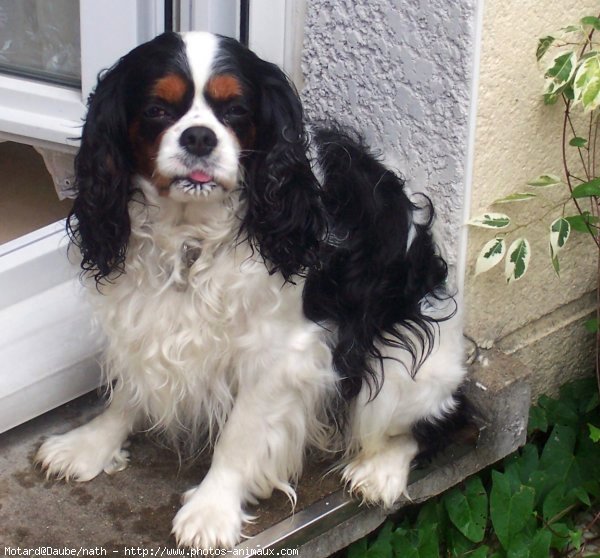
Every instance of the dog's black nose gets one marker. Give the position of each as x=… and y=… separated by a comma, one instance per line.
x=198, y=140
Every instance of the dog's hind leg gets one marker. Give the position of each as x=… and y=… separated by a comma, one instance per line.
x=381, y=445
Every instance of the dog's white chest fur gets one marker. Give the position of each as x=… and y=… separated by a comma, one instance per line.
x=194, y=317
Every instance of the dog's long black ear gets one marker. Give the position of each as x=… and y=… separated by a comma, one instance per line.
x=284, y=219
x=99, y=221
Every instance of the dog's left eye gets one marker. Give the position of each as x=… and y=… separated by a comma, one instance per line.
x=236, y=111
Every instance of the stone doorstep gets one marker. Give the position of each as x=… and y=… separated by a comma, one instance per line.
x=134, y=508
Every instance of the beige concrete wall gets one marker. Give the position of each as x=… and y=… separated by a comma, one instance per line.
x=539, y=318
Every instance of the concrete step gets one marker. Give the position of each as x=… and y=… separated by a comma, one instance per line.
x=134, y=508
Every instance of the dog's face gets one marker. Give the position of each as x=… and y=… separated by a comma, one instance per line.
x=198, y=116
x=194, y=121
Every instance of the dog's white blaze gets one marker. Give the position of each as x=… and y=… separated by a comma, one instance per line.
x=201, y=50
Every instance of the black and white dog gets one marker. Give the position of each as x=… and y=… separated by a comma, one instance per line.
x=253, y=294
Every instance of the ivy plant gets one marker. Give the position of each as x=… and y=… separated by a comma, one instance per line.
x=571, y=64
x=531, y=506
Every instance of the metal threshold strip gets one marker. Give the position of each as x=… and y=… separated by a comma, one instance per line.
x=322, y=516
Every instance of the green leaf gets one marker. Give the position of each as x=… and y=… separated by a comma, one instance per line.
x=543, y=45
x=586, y=85
x=560, y=536
x=529, y=462
x=510, y=510
x=562, y=411
x=582, y=223
x=358, y=549
x=591, y=20
x=578, y=142
x=517, y=260
x=558, y=464
x=591, y=325
x=518, y=197
x=540, y=546
x=558, y=451
x=480, y=552
x=491, y=221
x=591, y=188
x=405, y=542
x=537, y=420
x=557, y=503
x=491, y=254
x=382, y=546
x=467, y=509
x=458, y=545
x=594, y=433
x=579, y=493
x=581, y=396
x=429, y=546
x=545, y=180
x=560, y=72
x=521, y=466
x=576, y=538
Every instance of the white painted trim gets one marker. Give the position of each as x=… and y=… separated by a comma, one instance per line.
x=470, y=157
x=111, y=28
x=48, y=346
x=276, y=33
x=216, y=16
x=267, y=29
x=34, y=112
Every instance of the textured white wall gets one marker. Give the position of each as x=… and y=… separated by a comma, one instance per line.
x=399, y=72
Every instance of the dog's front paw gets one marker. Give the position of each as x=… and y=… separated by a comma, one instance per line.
x=381, y=477
x=209, y=519
x=80, y=455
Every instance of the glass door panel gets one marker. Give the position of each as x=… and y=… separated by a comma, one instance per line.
x=40, y=39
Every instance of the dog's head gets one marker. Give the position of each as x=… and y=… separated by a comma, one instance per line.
x=198, y=116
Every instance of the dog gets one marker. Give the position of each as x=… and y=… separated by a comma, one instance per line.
x=264, y=287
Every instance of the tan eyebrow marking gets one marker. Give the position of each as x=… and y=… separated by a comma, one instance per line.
x=223, y=87
x=171, y=88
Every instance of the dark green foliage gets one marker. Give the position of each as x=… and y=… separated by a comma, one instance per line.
x=524, y=507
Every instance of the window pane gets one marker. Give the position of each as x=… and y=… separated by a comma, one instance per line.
x=40, y=39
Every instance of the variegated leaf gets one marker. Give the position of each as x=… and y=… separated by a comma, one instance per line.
x=517, y=260
x=543, y=45
x=559, y=234
x=560, y=71
x=518, y=197
x=545, y=181
x=586, y=85
x=491, y=254
x=491, y=221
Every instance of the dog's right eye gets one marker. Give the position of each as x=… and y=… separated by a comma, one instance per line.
x=155, y=111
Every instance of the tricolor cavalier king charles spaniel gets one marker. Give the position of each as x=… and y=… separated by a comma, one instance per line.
x=262, y=287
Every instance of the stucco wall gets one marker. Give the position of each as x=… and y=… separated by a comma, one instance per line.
x=538, y=318
x=398, y=71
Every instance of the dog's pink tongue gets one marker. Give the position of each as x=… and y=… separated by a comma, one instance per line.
x=199, y=176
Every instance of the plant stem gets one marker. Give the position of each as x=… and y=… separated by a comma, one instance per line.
x=598, y=331
x=586, y=168
x=566, y=121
